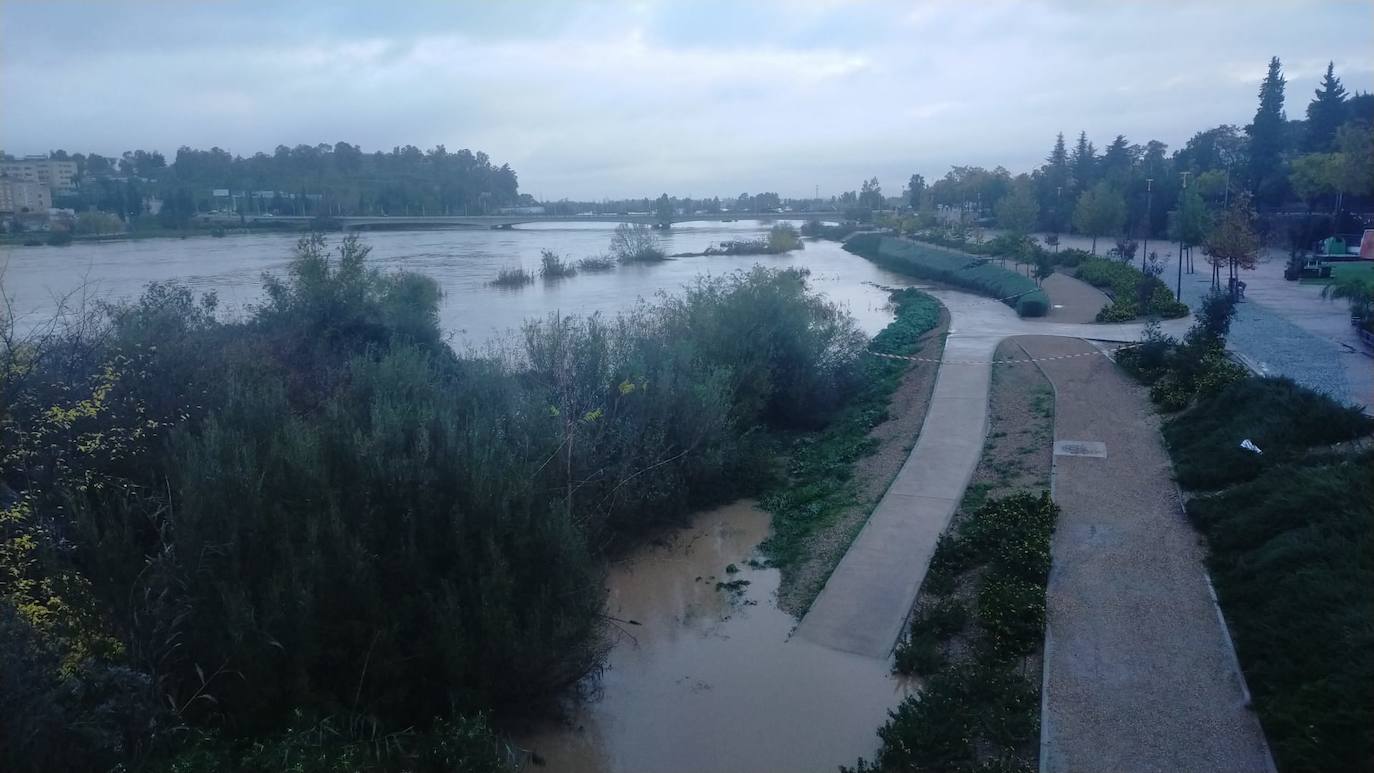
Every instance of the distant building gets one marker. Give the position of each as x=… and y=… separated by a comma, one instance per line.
x=24, y=197
x=58, y=176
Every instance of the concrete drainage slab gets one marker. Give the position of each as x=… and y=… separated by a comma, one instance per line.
x=1089, y=448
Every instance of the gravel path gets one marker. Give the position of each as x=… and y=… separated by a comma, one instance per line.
x=1139, y=671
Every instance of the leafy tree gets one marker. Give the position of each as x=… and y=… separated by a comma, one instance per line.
x=1100, y=211
x=1232, y=243
x=1189, y=223
x=915, y=191
x=871, y=194
x=1266, y=134
x=1018, y=211
x=663, y=210
x=1326, y=112
x=635, y=244
x=1314, y=176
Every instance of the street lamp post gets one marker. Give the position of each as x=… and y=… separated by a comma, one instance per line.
x=1178, y=289
x=1145, y=250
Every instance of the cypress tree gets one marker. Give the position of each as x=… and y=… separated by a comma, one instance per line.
x=1266, y=133
x=1082, y=163
x=1053, y=178
x=1325, y=112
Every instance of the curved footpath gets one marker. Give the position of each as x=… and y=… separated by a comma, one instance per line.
x=865, y=602
x=1139, y=672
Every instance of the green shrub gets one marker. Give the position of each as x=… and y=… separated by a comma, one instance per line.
x=512, y=277
x=1122, y=282
x=1290, y=557
x=962, y=270
x=596, y=264
x=919, y=654
x=1011, y=613
x=962, y=720
x=1070, y=257
x=822, y=464
x=1281, y=417
x=552, y=266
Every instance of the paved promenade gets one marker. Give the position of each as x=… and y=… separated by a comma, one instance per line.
x=1139, y=670
x=865, y=602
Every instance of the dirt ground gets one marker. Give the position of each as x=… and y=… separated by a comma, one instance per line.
x=873, y=474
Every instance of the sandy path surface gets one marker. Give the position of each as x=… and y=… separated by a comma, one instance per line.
x=1139, y=670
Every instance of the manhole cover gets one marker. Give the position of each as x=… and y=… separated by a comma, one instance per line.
x=1090, y=448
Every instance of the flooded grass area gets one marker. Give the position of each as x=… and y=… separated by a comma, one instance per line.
x=706, y=677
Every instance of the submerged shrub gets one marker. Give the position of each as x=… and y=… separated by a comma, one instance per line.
x=551, y=266
x=636, y=244
x=512, y=277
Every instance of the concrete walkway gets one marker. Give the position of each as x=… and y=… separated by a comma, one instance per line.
x=1140, y=674
x=864, y=604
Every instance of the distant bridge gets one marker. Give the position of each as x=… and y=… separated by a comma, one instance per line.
x=501, y=221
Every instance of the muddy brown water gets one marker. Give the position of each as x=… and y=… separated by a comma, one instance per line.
x=710, y=680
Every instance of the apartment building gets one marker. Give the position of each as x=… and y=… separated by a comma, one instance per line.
x=19, y=197
x=58, y=176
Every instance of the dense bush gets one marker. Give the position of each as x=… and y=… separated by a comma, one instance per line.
x=819, y=482
x=512, y=277
x=1178, y=372
x=552, y=266
x=981, y=710
x=1071, y=257
x=636, y=244
x=1283, y=419
x=1290, y=557
x=596, y=264
x=1133, y=293
x=321, y=511
x=967, y=271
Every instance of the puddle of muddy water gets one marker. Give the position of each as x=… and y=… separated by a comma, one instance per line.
x=709, y=680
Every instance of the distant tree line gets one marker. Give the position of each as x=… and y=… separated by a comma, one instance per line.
x=1322, y=165
x=313, y=180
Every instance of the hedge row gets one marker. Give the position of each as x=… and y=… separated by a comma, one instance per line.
x=961, y=270
x=1122, y=281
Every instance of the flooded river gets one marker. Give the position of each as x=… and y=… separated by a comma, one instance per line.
x=463, y=261
x=709, y=679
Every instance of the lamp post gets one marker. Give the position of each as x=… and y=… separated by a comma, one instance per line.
x=1145, y=250
x=1178, y=289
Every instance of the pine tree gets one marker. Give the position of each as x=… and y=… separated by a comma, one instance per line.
x=1266, y=134
x=1325, y=112
x=1082, y=162
x=1053, y=180
x=1118, y=160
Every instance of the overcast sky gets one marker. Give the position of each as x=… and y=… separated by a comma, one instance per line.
x=692, y=98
